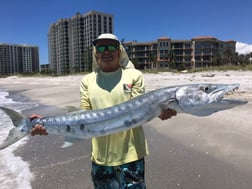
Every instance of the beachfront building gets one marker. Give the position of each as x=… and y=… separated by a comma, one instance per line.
x=45, y=69
x=70, y=41
x=18, y=58
x=180, y=54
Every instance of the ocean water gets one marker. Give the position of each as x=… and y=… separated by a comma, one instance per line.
x=14, y=172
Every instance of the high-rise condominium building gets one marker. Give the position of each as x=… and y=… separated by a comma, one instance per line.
x=180, y=54
x=18, y=59
x=70, y=41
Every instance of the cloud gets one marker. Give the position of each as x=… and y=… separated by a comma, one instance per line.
x=243, y=48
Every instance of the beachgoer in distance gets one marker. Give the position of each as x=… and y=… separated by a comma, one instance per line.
x=117, y=159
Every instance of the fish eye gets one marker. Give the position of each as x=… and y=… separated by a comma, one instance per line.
x=209, y=88
x=205, y=88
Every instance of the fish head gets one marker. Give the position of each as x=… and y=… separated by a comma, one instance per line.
x=205, y=99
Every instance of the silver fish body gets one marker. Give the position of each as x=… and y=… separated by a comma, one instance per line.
x=195, y=99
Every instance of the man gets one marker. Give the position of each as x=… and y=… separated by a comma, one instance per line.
x=117, y=159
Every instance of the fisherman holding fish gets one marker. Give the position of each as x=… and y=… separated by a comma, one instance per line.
x=117, y=159
x=113, y=95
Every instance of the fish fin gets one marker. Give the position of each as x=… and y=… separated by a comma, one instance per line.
x=172, y=104
x=165, y=105
x=15, y=134
x=66, y=144
x=72, y=109
x=15, y=117
x=69, y=141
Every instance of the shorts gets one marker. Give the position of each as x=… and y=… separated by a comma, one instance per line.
x=126, y=176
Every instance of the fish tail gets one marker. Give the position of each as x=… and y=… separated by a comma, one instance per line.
x=19, y=131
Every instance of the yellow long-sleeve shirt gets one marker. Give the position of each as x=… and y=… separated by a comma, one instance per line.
x=104, y=89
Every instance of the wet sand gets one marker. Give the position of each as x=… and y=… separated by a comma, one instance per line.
x=213, y=152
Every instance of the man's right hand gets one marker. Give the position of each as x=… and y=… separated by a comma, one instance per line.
x=38, y=129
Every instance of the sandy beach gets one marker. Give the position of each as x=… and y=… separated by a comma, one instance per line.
x=213, y=152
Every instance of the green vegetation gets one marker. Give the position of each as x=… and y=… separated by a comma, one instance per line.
x=224, y=68
x=206, y=69
x=225, y=62
x=244, y=67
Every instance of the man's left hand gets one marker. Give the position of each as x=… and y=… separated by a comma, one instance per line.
x=167, y=114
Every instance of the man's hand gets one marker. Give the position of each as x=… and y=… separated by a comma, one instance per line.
x=38, y=129
x=167, y=114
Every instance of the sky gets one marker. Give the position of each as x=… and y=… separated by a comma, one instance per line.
x=28, y=21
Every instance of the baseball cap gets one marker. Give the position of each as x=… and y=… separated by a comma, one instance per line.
x=106, y=36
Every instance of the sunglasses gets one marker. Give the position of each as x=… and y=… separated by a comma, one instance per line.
x=109, y=48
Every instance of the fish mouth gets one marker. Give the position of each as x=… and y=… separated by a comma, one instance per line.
x=224, y=89
x=222, y=92
x=232, y=88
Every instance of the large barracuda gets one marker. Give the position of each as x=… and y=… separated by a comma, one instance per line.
x=195, y=99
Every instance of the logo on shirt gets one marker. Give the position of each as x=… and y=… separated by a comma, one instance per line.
x=127, y=88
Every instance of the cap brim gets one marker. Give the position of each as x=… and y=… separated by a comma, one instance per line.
x=95, y=41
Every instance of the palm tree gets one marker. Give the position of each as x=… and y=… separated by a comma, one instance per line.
x=171, y=58
x=217, y=59
x=136, y=63
x=151, y=59
x=228, y=56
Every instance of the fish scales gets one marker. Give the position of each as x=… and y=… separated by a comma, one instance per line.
x=194, y=99
x=132, y=114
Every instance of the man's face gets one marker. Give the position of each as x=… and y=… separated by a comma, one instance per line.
x=107, y=55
